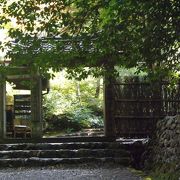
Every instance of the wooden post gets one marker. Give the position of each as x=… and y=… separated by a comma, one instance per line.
x=109, y=124
x=36, y=107
x=2, y=108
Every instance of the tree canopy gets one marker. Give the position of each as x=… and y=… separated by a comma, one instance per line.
x=95, y=34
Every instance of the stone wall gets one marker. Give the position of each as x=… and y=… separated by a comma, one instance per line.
x=166, y=147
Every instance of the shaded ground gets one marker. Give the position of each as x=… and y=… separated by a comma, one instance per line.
x=84, y=132
x=69, y=173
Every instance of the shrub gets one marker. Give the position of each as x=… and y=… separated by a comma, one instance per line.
x=75, y=120
x=73, y=105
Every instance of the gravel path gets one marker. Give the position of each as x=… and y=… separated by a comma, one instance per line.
x=66, y=173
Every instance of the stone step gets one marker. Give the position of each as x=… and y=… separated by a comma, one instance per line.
x=65, y=153
x=43, y=154
x=56, y=146
x=58, y=139
x=21, y=162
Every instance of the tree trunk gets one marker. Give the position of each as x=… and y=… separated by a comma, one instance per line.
x=98, y=83
x=78, y=92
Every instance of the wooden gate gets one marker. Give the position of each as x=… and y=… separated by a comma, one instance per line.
x=137, y=105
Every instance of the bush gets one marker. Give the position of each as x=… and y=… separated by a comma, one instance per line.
x=75, y=120
x=73, y=105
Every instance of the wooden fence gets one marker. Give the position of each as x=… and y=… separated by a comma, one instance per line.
x=137, y=105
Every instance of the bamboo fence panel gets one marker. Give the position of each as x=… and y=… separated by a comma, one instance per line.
x=139, y=104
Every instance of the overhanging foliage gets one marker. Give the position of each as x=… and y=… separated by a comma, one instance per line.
x=143, y=34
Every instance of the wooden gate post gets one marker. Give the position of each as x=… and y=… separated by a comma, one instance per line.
x=2, y=108
x=36, y=107
x=109, y=124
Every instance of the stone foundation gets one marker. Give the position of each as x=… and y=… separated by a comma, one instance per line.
x=166, y=145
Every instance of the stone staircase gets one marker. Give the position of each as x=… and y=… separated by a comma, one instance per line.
x=50, y=154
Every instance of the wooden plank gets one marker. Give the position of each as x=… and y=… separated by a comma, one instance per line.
x=22, y=108
x=146, y=100
x=19, y=68
x=18, y=114
x=22, y=103
x=19, y=77
x=22, y=96
x=138, y=117
x=139, y=83
x=131, y=84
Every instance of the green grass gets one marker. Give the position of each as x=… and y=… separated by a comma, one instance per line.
x=156, y=175
x=140, y=173
x=165, y=176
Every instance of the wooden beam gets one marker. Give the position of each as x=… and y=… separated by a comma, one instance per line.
x=19, y=68
x=137, y=117
x=36, y=107
x=145, y=100
x=18, y=77
x=2, y=108
x=109, y=123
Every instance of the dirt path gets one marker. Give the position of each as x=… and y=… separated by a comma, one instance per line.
x=73, y=173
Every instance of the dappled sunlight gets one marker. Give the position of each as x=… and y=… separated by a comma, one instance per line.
x=72, y=105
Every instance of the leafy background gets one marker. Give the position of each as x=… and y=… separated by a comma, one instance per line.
x=72, y=105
